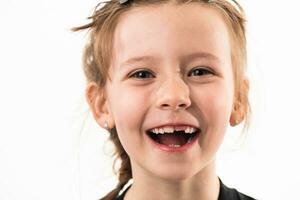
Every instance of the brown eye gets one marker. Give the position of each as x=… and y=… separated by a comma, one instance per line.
x=200, y=72
x=141, y=74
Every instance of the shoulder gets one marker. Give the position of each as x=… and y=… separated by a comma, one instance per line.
x=227, y=193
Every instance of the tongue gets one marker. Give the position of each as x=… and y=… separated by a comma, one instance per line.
x=172, y=139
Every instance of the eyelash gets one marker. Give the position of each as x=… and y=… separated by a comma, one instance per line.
x=137, y=72
x=203, y=70
x=206, y=71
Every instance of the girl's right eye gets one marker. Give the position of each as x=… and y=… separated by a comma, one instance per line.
x=141, y=74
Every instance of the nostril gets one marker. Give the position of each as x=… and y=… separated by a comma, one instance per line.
x=174, y=106
x=166, y=106
x=182, y=106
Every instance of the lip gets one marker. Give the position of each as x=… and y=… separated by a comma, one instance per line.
x=168, y=149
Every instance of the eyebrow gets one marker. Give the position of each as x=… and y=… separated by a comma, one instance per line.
x=184, y=58
x=195, y=55
x=138, y=59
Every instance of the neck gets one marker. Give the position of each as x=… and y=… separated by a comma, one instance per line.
x=203, y=185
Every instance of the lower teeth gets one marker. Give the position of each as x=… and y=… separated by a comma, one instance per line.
x=190, y=140
x=174, y=145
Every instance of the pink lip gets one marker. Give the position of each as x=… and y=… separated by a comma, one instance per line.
x=174, y=149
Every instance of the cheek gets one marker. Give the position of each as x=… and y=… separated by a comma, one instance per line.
x=214, y=103
x=129, y=102
x=128, y=106
x=221, y=104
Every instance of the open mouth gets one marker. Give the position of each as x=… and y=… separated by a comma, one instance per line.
x=174, y=139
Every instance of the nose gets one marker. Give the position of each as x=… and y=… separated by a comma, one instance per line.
x=173, y=94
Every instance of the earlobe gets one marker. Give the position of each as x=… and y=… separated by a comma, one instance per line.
x=240, y=105
x=235, y=117
x=97, y=101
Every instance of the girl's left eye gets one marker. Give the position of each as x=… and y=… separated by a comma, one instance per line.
x=141, y=74
x=200, y=72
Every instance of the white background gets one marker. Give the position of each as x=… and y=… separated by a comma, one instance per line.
x=50, y=146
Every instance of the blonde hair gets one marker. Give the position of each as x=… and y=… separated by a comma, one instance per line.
x=98, y=53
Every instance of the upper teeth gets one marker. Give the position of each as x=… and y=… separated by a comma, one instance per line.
x=171, y=129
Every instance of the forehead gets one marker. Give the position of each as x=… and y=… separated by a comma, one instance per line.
x=171, y=31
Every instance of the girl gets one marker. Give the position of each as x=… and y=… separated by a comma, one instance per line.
x=165, y=77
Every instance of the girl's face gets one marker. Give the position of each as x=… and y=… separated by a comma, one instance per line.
x=171, y=64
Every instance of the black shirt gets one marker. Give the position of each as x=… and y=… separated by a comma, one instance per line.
x=226, y=193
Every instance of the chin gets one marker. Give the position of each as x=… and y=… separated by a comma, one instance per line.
x=175, y=173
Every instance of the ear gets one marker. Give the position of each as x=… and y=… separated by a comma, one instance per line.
x=98, y=104
x=240, y=104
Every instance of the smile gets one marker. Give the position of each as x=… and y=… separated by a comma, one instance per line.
x=174, y=138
